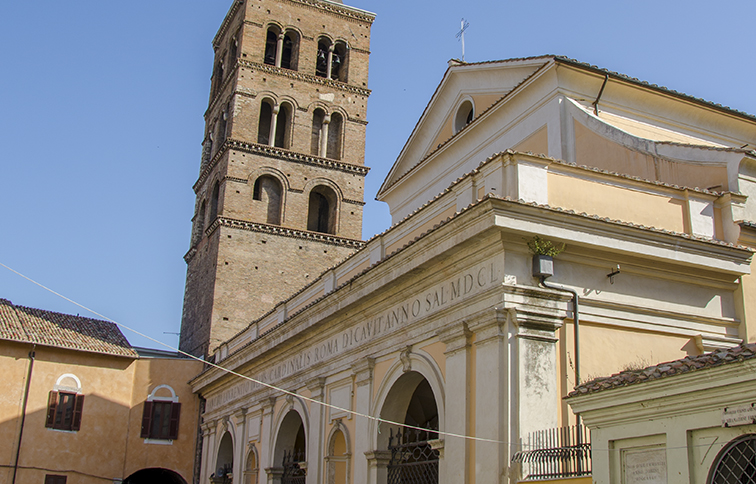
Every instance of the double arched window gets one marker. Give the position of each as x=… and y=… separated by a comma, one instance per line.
x=326, y=134
x=281, y=48
x=322, y=210
x=275, y=124
x=332, y=60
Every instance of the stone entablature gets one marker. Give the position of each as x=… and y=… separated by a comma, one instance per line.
x=278, y=153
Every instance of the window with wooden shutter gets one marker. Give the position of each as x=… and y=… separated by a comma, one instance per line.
x=174, y=426
x=52, y=404
x=160, y=420
x=77, y=411
x=146, y=420
x=64, y=411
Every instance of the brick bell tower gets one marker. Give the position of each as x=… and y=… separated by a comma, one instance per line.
x=280, y=189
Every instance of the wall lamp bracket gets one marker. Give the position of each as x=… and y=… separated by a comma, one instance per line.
x=614, y=272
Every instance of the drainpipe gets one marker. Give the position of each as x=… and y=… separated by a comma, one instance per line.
x=23, y=411
x=576, y=319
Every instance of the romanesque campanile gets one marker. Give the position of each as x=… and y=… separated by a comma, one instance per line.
x=279, y=195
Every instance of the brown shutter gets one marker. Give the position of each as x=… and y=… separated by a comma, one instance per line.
x=174, y=427
x=146, y=420
x=78, y=407
x=52, y=405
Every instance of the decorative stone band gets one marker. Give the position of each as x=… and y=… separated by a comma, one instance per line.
x=279, y=153
x=226, y=22
x=283, y=231
x=344, y=11
x=300, y=76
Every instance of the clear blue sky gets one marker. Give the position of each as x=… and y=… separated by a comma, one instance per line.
x=101, y=106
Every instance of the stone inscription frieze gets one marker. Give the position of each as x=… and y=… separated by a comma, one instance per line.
x=421, y=305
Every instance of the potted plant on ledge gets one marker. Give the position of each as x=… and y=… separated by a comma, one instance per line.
x=544, y=252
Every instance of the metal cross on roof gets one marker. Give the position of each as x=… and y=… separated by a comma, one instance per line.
x=461, y=35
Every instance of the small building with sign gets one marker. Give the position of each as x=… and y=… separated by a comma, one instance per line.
x=689, y=420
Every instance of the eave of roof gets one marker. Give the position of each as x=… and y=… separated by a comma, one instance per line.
x=47, y=328
x=688, y=364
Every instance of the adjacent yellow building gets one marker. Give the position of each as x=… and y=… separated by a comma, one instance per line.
x=81, y=405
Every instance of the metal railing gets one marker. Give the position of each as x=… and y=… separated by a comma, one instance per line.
x=413, y=460
x=556, y=453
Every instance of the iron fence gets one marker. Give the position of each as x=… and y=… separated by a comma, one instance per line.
x=292, y=473
x=413, y=460
x=556, y=453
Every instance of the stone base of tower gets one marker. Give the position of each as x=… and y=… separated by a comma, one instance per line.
x=256, y=267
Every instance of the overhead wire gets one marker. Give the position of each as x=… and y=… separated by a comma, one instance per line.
x=312, y=400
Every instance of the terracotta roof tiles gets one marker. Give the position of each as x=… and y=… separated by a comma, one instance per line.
x=48, y=328
x=663, y=370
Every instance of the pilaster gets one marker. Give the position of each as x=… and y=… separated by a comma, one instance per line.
x=208, y=448
x=315, y=432
x=266, y=439
x=454, y=466
x=241, y=444
x=363, y=393
x=377, y=466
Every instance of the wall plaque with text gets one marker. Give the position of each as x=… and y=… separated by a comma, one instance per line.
x=740, y=415
x=645, y=466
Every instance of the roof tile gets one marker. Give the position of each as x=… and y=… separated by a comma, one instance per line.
x=48, y=328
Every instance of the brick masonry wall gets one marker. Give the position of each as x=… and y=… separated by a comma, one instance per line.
x=237, y=274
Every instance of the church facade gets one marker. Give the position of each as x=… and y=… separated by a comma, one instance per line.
x=434, y=350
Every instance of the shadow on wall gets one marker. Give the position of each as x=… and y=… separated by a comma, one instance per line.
x=96, y=451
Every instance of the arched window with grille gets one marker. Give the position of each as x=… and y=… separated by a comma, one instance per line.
x=736, y=463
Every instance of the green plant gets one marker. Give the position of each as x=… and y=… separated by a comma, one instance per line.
x=539, y=246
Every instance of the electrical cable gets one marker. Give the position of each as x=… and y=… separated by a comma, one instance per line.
x=312, y=400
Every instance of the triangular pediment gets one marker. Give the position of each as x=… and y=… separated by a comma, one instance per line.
x=479, y=86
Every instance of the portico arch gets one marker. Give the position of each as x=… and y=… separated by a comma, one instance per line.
x=396, y=390
x=290, y=446
x=153, y=475
x=224, y=462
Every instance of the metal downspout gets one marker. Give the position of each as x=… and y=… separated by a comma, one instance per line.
x=576, y=319
x=23, y=412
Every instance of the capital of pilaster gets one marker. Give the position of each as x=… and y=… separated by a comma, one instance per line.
x=239, y=415
x=437, y=444
x=316, y=386
x=488, y=325
x=267, y=405
x=378, y=458
x=363, y=371
x=274, y=472
x=456, y=337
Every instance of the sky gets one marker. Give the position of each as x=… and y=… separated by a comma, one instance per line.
x=102, y=103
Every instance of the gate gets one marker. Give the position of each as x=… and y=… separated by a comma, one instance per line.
x=292, y=473
x=413, y=461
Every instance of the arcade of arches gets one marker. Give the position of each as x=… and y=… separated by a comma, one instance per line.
x=410, y=454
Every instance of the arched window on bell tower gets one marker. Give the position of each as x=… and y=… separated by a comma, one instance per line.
x=318, y=116
x=339, y=62
x=268, y=190
x=266, y=118
x=333, y=150
x=283, y=125
x=271, y=44
x=321, y=213
x=324, y=53
x=214, y=199
x=290, y=51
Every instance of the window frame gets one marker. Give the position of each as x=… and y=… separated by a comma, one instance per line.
x=56, y=418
